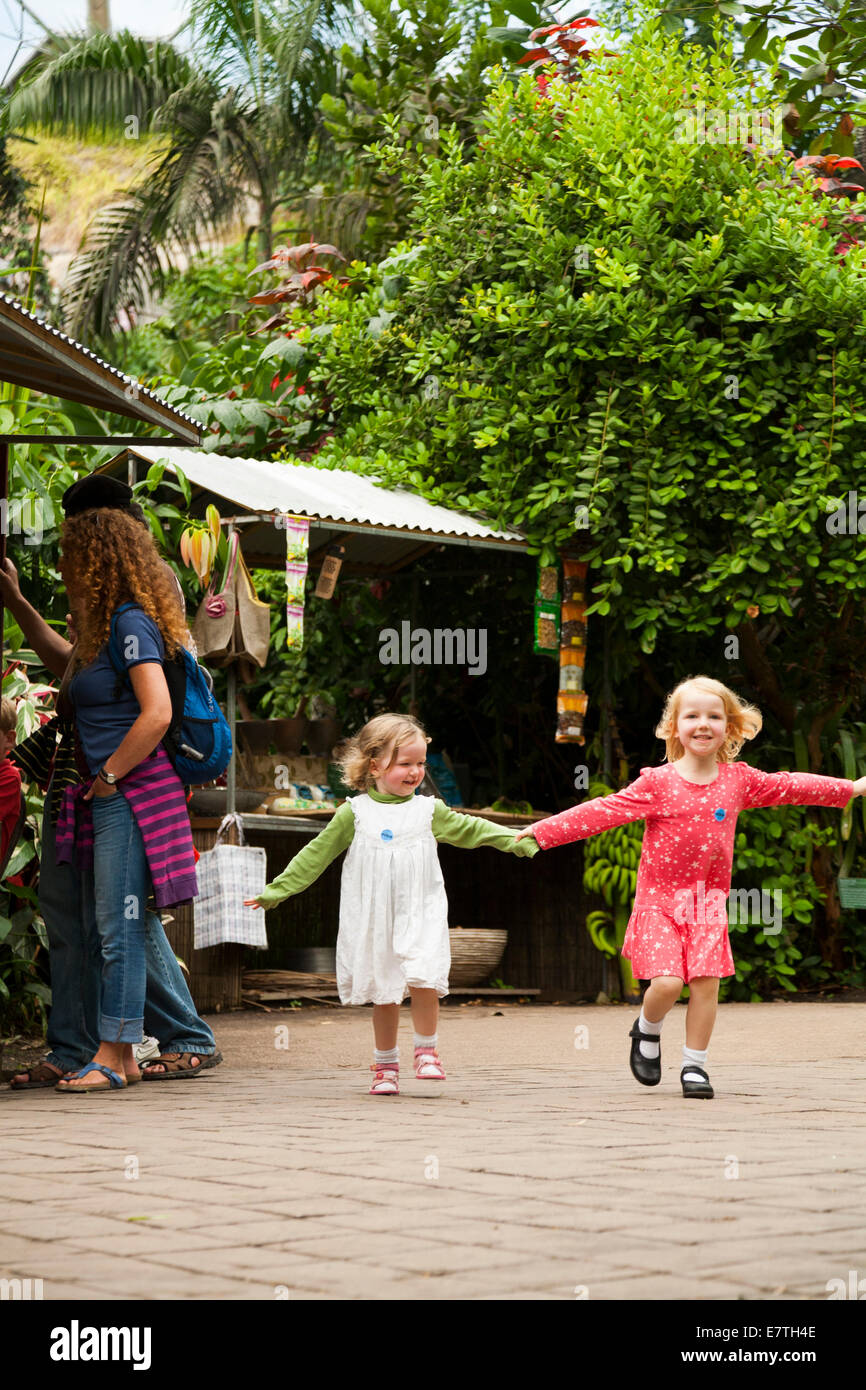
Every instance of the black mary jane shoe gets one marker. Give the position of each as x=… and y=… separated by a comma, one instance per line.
x=646, y=1070
x=696, y=1090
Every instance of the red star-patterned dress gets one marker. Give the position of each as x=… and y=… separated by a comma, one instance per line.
x=678, y=924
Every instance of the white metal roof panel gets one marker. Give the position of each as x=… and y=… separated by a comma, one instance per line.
x=261, y=485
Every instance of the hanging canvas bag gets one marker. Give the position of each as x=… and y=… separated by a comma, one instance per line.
x=232, y=623
x=226, y=875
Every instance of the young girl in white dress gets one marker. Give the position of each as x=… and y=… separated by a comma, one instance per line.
x=393, y=932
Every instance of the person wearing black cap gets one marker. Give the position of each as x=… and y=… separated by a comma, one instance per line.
x=97, y=490
x=100, y=490
x=66, y=894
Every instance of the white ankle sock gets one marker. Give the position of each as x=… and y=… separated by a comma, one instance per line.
x=691, y=1054
x=421, y=1041
x=383, y=1058
x=650, y=1050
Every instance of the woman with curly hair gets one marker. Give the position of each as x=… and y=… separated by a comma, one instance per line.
x=124, y=827
x=53, y=756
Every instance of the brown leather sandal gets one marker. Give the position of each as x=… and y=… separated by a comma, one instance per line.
x=178, y=1066
x=38, y=1078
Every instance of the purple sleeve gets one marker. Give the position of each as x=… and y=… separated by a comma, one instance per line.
x=634, y=802
x=793, y=789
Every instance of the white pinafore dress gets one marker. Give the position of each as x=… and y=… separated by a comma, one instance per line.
x=393, y=909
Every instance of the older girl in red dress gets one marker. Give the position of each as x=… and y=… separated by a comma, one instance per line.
x=678, y=930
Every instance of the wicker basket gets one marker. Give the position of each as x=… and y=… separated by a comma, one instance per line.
x=852, y=892
x=475, y=954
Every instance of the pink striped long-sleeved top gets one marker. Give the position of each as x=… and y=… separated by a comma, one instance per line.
x=689, y=837
x=155, y=793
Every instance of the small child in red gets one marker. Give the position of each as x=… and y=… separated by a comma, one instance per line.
x=10, y=777
x=678, y=930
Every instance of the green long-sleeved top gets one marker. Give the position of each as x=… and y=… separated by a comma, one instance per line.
x=467, y=832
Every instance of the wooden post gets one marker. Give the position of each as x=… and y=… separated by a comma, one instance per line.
x=97, y=16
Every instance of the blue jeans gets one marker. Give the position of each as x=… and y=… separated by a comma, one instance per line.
x=121, y=886
x=66, y=901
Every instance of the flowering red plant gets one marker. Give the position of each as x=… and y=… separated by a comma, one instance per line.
x=571, y=48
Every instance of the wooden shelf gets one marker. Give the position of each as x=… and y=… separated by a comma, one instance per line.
x=260, y=996
x=313, y=820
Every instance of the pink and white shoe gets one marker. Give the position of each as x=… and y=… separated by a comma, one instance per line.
x=427, y=1065
x=387, y=1079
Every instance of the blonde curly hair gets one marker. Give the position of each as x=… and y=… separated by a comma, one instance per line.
x=744, y=721
x=8, y=715
x=109, y=558
x=379, y=739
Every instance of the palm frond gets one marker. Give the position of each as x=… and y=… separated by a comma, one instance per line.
x=98, y=83
x=292, y=39
x=117, y=266
x=217, y=158
x=339, y=218
x=193, y=190
x=256, y=44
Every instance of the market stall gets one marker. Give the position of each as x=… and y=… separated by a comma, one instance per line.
x=300, y=517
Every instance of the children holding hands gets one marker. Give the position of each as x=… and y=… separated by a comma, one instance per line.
x=393, y=932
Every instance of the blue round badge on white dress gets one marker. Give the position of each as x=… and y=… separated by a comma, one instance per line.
x=387, y=834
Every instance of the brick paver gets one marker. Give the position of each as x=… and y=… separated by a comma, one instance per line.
x=539, y=1170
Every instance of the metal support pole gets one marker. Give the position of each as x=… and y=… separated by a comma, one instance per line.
x=232, y=717
x=413, y=669
x=607, y=703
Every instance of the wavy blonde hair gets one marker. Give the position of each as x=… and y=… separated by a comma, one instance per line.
x=380, y=738
x=744, y=720
x=109, y=558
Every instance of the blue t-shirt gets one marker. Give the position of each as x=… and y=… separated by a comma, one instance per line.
x=103, y=719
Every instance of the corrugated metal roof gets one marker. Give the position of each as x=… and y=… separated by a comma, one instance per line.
x=35, y=355
x=327, y=495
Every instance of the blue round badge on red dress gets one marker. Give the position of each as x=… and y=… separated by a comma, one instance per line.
x=387, y=834
x=720, y=813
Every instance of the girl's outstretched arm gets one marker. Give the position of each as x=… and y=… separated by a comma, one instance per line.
x=634, y=802
x=796, y=788
x=470, y=832
x=310, y=862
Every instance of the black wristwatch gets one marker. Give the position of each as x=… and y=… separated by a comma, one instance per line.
x=109, y=777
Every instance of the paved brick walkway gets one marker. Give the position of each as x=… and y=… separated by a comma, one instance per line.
x=539, y=1170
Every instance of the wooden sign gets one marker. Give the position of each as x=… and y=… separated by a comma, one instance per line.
x=330, y=571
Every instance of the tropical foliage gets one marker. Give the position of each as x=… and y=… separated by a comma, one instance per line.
x=648, y=350
x=240, y=120
x=571, y=316
x=816, y=50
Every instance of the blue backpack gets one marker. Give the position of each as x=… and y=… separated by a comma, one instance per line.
x=198, y=741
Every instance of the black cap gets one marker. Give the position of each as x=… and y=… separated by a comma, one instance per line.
x=96, y=490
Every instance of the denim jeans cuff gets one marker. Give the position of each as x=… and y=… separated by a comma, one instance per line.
x=187, y=1045
x=66, y=1061
x=121, y=1030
